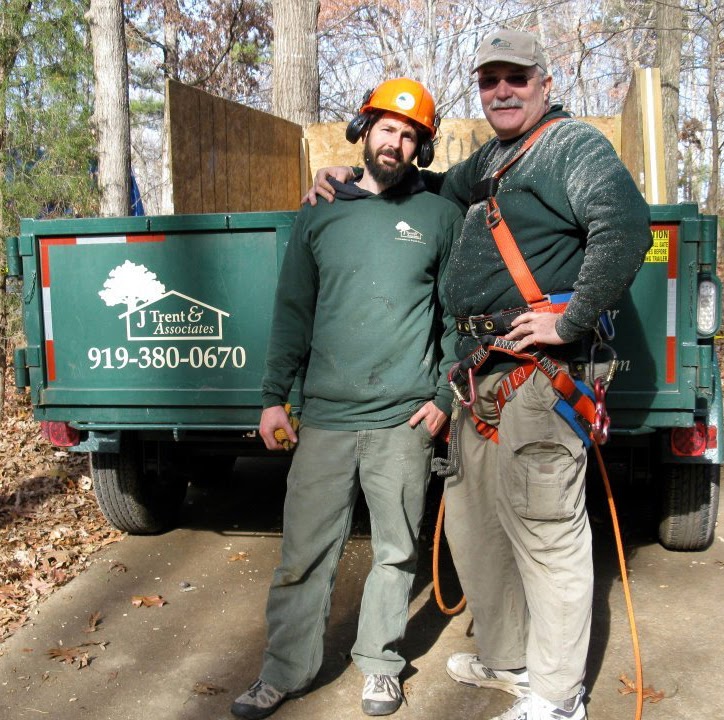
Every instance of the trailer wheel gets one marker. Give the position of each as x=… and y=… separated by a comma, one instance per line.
x=690, y=503
x=136, y=496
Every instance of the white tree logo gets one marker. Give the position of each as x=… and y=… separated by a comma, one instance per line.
x=131, y=284
x=402, y=226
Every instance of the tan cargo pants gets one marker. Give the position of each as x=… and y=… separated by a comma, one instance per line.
x=519, y=534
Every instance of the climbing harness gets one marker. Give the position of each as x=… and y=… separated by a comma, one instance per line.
x=583, y=408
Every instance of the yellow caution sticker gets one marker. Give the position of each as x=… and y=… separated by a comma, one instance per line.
x=659, y=251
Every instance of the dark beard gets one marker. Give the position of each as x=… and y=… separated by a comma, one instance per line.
x=385, y=176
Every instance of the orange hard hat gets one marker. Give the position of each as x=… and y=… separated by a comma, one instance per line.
x=404, y=97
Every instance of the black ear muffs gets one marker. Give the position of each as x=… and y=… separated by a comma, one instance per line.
x=426, y=147
x=425, y=153
x=357, y=126
x=360, y=122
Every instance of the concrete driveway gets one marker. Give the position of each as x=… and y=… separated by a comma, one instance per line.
x=189, y=658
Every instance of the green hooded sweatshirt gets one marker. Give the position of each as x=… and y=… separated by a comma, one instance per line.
x=358, y=305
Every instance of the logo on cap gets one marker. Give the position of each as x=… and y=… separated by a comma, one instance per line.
x=500, y=43
x=405, y=101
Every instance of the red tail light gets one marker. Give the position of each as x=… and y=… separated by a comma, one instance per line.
x=59, y=433
x=693, y=441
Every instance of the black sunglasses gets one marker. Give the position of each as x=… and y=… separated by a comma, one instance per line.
x=515, y=80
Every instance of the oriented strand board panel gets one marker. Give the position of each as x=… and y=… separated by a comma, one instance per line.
x=456, y=140
x=238, y=175
x=229, y=158
x=327, y=146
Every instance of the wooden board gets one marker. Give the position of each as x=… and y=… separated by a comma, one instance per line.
x=230, y=158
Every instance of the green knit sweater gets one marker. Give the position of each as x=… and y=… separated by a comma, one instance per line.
x=358, y=305
x=575, y=212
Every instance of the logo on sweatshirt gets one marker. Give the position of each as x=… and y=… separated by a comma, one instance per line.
x=408, y=234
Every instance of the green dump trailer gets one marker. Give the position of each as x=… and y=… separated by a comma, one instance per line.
x=146, y=339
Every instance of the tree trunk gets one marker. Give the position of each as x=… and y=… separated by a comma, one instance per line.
x=111, y=116
x=296, y=70
x=712, y=195
x=171, y=15
x=669, y=35
x=15, y=13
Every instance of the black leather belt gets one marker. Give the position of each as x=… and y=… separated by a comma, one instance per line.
x=497, y=323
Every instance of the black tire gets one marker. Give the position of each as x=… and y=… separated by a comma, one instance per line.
x=690, y=502
x=132, y=499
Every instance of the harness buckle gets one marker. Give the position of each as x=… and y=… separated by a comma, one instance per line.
x=493, y=217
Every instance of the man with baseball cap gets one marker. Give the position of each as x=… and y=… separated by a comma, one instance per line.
x=515, y=500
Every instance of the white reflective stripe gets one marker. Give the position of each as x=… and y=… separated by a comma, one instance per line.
x=47, y=319
x=671, y=308
x=102, y=240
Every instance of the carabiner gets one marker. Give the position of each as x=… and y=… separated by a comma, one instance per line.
x=472, y=391
x=600, y=346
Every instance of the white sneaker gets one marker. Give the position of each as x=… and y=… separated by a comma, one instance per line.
x=534, y=707
x=467, y=669
x=381, y=695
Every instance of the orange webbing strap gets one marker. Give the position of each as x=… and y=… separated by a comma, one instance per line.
x=512, y=257
x=504, y=240
x=626, y=588
x=486, y=430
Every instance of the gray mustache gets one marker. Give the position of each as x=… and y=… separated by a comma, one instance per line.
x=506, y=104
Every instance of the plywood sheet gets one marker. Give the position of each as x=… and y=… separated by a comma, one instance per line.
x=185, y=150
x=228, y=158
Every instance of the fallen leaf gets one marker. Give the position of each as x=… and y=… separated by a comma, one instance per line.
x=238, y=556
x=147, y=601
x=70, y=656
x=201, y=688
x=629, y=687
x=93, y=621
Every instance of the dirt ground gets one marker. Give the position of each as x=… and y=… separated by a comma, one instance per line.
x=171, y=627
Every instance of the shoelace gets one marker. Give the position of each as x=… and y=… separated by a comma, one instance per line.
x=256, y=688
x=383, y=684
x=261, y=688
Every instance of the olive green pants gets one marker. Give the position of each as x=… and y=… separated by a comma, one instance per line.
x=392, y=467
x=519, y=534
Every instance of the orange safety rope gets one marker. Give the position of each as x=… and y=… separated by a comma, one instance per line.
x=626, y=588
x=436, y=567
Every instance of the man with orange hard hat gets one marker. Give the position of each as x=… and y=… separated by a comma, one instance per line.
x=358, y=306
